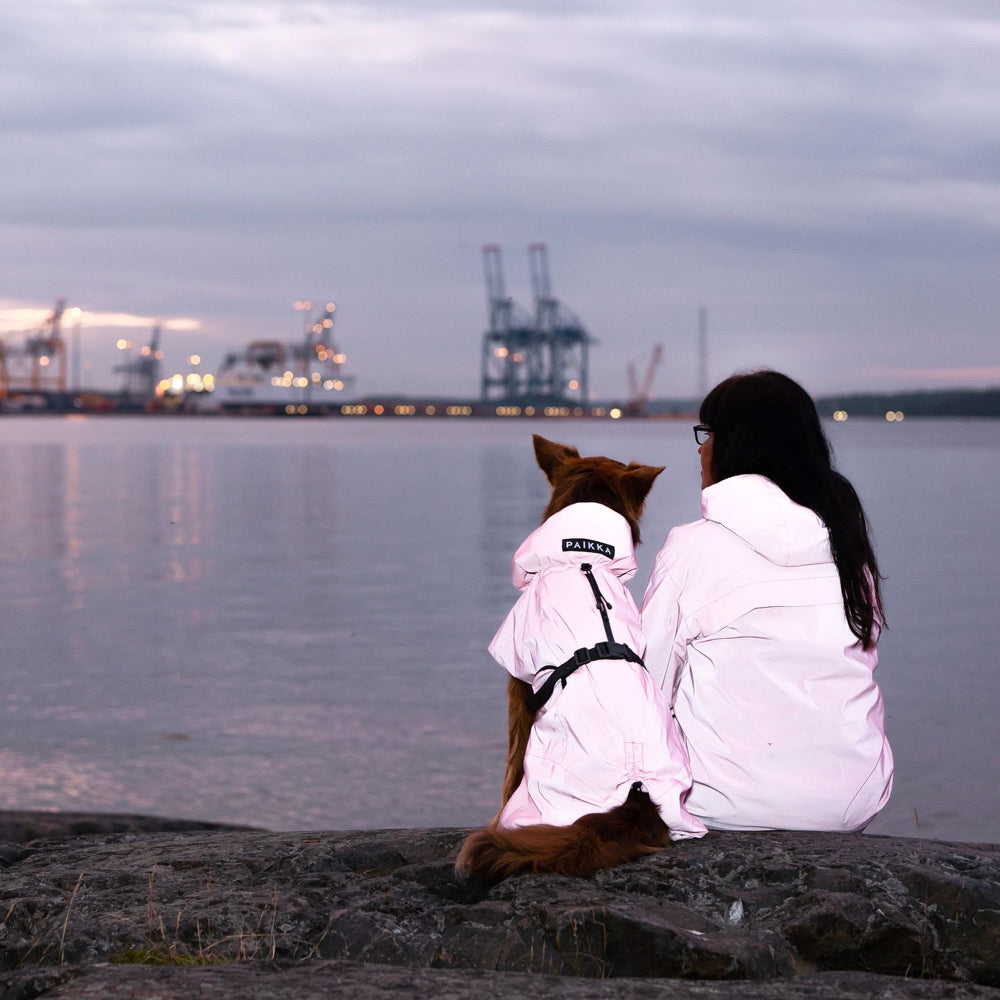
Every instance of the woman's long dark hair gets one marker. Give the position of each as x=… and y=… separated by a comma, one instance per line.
x=766, y=424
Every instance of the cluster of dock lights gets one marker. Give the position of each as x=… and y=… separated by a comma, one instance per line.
x=403, y=410
x=502, y=352
x=893, y=416
x=455, y=410
x=324, y=354
x=289, y=379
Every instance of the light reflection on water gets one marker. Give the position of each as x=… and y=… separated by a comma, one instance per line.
x=284, y=623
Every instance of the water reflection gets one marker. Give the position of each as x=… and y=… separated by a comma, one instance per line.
x=285, y=623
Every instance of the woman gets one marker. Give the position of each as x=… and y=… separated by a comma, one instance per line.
x=762, y=619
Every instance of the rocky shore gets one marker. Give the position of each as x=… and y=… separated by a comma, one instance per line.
x=118, y=906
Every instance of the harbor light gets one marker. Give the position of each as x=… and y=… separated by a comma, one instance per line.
x=614, y=413
x=894, y=415
x=840, y=415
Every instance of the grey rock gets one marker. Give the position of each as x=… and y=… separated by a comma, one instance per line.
x=734, y=914
x=22, y=827
x=355, y=981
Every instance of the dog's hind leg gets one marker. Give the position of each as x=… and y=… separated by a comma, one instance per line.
x=519, y=720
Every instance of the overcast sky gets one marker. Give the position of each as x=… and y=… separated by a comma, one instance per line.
x=824, y=178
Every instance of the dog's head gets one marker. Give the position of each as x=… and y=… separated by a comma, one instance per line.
x=623, y=488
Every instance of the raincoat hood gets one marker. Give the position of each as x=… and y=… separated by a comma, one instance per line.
x=780, y=530
x=582, y=532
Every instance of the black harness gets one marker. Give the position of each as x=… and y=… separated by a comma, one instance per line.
x=609, y=650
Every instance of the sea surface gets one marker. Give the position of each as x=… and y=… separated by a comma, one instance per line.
x=284, y=623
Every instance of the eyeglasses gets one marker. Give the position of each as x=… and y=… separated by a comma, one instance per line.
x=701, y=432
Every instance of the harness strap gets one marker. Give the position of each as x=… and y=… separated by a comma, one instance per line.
x=602, y=651
x=609, y=650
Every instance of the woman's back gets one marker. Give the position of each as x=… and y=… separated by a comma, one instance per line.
x=747, y=634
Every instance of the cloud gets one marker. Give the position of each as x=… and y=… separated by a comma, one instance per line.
x=808, y=172
x=16, y=318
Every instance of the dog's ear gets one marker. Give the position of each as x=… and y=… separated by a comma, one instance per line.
x=551, y=455
x=638, y=480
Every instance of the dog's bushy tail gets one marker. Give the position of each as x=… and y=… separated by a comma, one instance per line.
x=595, y=841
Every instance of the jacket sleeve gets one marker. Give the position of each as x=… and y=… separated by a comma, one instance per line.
x=667, y=633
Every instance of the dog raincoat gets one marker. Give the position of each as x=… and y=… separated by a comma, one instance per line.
x=746, y=633
x=609, y=725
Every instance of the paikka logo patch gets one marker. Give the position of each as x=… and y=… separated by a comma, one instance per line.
x=588, y=545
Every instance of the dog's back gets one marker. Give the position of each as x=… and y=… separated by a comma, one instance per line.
x=621, y=488
x=632, y=827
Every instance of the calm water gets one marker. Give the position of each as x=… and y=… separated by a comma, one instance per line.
x=284, y=623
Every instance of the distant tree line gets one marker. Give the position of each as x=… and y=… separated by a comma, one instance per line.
x=920, y=403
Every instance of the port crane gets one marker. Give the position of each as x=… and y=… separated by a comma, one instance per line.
x=639, y=393
x=531, y=358
x=142, y=373
x=563, y=330
x=513, y=352
x=39, y=364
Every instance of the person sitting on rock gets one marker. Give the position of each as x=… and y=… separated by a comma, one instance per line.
x=762, y=620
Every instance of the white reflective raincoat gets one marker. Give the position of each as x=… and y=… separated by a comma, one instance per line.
x=609, y=725
x=746, y=633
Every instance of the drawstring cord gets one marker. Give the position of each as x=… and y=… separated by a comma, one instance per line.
x=603, y=604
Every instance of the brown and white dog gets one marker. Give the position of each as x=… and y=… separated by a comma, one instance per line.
x=596, y=771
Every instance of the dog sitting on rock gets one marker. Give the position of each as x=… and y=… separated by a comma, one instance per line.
x=596, y=769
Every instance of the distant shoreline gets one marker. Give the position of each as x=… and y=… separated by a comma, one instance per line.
x=917, y=403
x=911, y=403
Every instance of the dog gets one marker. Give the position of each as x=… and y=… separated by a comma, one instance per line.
x=596, y=770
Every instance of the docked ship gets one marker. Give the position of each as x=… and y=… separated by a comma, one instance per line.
x=275, y=377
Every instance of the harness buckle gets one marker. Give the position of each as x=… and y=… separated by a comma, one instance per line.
x=603, y=650
x=582, y=656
